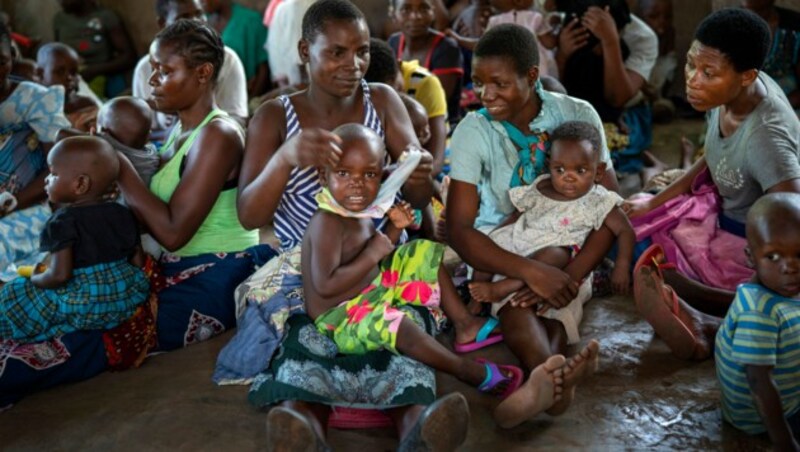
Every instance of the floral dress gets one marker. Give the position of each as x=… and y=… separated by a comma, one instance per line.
x=370, y=321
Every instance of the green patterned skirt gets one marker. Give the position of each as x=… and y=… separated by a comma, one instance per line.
x=369, y=322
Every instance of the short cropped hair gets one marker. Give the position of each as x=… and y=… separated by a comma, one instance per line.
x=510, y=41
x=383, y=67
x=196, y=42
x=578, y=131
x=325, y=10
x=739, y=34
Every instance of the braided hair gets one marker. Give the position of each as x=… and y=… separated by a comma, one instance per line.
x=196, y=42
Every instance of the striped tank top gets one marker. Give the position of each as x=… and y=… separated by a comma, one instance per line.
x=297, y=204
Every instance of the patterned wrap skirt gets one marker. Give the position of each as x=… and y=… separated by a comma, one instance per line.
x=100, y=296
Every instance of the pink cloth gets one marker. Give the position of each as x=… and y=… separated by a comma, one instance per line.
x=686, y=227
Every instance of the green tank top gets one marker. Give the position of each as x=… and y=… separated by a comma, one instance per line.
x=221, y=231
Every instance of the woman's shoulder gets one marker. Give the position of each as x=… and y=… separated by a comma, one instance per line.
x=269, y=112
x=225, y=130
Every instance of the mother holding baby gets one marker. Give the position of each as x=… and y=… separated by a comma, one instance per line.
x=189, y=208
x=289, y=138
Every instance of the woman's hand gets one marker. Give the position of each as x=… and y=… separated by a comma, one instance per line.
x=313, y=147
x=548, y=284
x=422, y=173
x=636, y=208
x=601, y=24
x=572, y=37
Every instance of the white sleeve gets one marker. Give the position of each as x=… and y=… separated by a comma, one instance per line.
x=141, y=78
x=642, y=43
x=231, y=90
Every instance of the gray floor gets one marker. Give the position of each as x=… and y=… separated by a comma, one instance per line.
x=641, y=398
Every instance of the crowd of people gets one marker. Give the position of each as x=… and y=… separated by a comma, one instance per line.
x=129, y=224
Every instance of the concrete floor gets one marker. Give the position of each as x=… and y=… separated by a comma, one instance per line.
x=640, y=398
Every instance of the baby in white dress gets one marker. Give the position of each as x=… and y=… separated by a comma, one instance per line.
x=555, y=215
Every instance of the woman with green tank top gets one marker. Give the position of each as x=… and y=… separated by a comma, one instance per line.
x=190, y=206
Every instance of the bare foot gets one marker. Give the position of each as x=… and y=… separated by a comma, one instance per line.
x=577, y=369
x=703, y=327
x=467, y=331
x=483, y=291
x=693, y=336
x=540, y=392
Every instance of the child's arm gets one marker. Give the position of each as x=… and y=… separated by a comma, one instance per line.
x=463, y=41
x=331, y=278
x=59, y=271
x=768, y=403
x=137, y=258
x=626, y=240
x=400, y=217
x=548, y=40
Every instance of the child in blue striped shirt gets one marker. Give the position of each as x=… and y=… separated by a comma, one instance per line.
x=758, y=345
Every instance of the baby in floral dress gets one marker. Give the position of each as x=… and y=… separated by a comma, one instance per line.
x=365, y=293
x=555, y=215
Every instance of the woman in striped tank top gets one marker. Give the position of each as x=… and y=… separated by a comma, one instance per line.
x=288, y=139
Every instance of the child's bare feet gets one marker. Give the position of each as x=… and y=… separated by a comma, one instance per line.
x=543, y=388
x=483, y=291
x=577, y=369
x=492, y=292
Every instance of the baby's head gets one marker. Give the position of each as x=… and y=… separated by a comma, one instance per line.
x=383, y=65
x=25, y=69
x=419, y=118
x=657, y=14
x=354, y=182
x=504, y=6
x=574, y=158
x=82, y=169
x=58, y=65
x=773, y=243
x=126, y=119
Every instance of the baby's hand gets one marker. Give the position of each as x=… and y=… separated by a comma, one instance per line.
x=112, y=194
x=380, y=246
x=621, y=280
x=401, y=215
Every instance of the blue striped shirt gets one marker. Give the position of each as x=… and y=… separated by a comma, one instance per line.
x=761, y=328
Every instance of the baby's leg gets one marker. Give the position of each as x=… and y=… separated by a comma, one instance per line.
x=465, y=323
x=491, y=292
x=413, y=342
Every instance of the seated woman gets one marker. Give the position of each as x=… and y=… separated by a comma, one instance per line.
x=190, y=205
x=598, y=64
x=191, y=212
x=696, y=224
x=100, y=38
x=783, y=59
x=289, y=138
x=432, y=49
x=503, y=146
